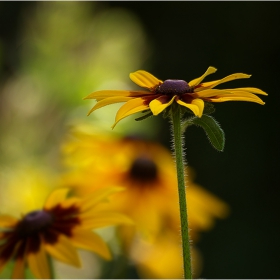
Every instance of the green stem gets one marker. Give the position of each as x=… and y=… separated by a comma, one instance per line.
x=51, y=268
x=178, y=149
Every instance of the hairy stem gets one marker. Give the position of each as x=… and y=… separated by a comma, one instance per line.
x=178, y=149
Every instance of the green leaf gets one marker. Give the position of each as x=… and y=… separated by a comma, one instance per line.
x=209, y=108
x=213, y=131
x=144, y=117
x=166, y=112
x=186, y=110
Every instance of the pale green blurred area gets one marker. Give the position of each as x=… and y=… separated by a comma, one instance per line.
x=66, y=51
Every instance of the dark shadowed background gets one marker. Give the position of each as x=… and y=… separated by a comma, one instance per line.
x=181, y=40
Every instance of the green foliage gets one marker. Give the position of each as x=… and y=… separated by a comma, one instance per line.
x=144, y=117
x=186, y=111
x=166, y=112
x=209, y=108
x=212, y=129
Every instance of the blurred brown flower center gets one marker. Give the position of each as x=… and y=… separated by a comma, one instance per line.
x=143, y=169
x=34, y=222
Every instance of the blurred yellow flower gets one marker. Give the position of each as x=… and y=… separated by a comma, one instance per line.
x=27, y=184
x=61, y=226
x=161, y=94
x=147, y=172
x=144, y=169
x=162, y=258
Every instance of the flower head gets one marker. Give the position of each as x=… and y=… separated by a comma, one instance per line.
x=161, y=94
x=61, y=226
x=145, y=170
x=147, y=173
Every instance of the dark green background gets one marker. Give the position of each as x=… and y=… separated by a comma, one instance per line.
x=186, y=38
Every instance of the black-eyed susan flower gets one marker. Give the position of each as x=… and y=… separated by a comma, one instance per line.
x=147, y=173
x=58, y=229
x=145, y=170
x=162, y=94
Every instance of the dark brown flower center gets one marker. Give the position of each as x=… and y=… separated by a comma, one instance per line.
x=34, y=222
x=171, y=87
x=39, y=226
x=143, y=170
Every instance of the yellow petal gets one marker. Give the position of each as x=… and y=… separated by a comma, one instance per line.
x=249, y=89
x=89, y=240
x=108, y=101
x=101, y=94
x=93, y=220
x=159, y=104
x=18, y=270
x=196, y=81
x=207, y=202
x=238, y=96
x=155, y=259
x=69, y=202
x=144, y=79
x=96, y=197
x=200, y=104
x=130, y=107
x=56, y=197
x=7, y=221
x=38, y=263
x=212, y=84
x=196, y=106
x=64, y=251
x=204, y=208
x=211, y=92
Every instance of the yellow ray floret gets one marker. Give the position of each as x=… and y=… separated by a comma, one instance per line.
x=144, y=79
x=161, y=94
